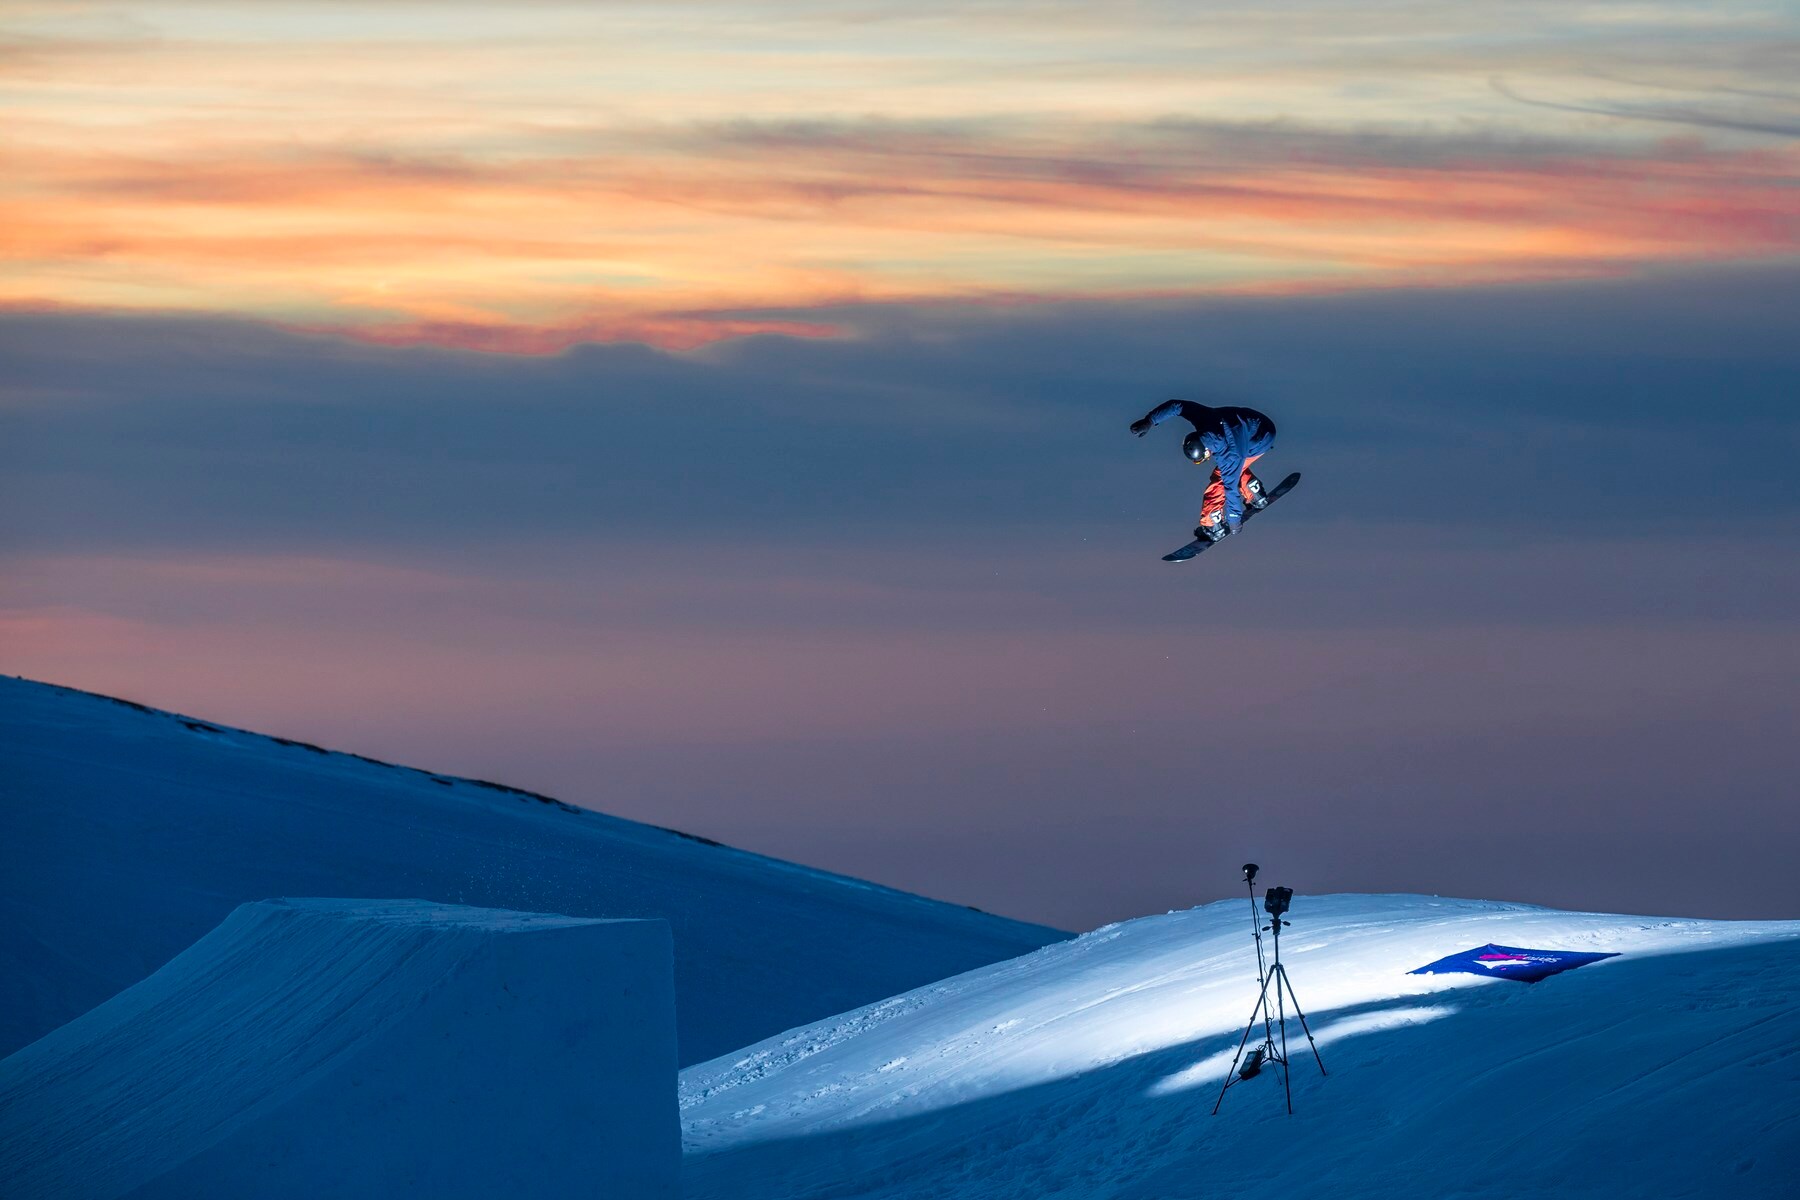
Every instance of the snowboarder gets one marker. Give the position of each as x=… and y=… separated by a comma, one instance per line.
x=1230, y=439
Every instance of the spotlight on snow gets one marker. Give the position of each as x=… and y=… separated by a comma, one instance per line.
x=1212, y=1068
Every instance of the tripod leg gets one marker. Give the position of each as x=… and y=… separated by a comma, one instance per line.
x=1262, y=999
x=1303, y=1024
x=1287, y=1073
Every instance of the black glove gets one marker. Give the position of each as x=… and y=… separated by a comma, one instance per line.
x=1141, y=426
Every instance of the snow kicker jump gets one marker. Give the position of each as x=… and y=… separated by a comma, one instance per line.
x=363, y=1048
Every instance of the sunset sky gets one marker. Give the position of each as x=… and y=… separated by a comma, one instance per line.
x=715, y=414
x=528, y=176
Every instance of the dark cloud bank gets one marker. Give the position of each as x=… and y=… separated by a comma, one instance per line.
x=1528, y=629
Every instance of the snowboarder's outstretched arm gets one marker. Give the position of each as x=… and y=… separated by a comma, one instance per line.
x=1197, y=415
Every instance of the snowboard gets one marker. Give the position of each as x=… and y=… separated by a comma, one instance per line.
x=1193, y=548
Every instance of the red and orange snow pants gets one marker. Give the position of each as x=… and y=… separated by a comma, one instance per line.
x=1212, y=505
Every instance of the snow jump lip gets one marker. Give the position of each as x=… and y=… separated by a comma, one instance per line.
x=352, y=1047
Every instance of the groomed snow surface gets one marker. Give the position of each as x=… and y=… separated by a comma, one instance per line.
x=1088, y=1069
x=363, y=1049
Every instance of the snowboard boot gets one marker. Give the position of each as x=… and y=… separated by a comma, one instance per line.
x=1211, y=533
x=1258, y=498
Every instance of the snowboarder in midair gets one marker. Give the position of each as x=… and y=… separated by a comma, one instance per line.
x=1230, y=439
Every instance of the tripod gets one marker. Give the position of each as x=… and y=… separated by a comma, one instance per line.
x=1268, y=1052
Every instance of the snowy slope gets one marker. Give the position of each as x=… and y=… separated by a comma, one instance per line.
x=126, y=834
x=363, y=1048
x=1089, y=1068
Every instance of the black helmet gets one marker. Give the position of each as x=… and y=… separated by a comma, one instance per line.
x=1194, y=446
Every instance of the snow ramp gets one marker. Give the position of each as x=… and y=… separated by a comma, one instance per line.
x=1090, y=1069
x=363, y=1048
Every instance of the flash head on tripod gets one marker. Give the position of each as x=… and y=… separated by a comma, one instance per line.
x=1249, y=872
x=1276, y=900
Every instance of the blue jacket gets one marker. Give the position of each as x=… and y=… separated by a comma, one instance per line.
x=1234, y=435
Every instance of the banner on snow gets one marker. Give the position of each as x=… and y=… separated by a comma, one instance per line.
x=1510, y=962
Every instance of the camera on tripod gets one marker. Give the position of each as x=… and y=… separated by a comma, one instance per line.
x=1277, y=900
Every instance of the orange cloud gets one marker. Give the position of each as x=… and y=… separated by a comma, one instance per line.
x=533, y=256
x=561, y=174
x=668, y=331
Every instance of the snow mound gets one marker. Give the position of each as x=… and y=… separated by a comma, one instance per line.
x=126, y=833
x=1090, y=1067
x=363, y=1048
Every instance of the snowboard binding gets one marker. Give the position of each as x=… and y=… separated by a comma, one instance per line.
x=1206, y=535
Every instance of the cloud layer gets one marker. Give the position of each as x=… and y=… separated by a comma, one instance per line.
x=529, y=178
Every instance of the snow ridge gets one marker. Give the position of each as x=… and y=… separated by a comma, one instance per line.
x=191, y=818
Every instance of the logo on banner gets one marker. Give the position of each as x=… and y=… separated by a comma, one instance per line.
x=1495, y=961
